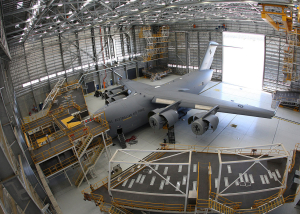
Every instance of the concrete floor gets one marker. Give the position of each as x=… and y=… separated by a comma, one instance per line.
x=249, y=131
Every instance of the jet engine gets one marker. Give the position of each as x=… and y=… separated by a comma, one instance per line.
x=200, y=122
x=158, y=118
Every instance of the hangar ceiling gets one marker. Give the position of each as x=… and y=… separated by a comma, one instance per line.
x=25, y=19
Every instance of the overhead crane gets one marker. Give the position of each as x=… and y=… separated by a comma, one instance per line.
x=289, y=66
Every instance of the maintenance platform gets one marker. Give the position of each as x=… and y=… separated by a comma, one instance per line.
x=65, y=134
x=194, y=179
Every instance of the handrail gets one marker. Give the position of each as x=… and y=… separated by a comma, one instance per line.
x=149, y=205
x=209, y=180
x=52, y=151
x=59, y=166
x=79, y=133
x=212, y=149
x=226, y=201
x=260, y=202
x=101, y=128
x=291, y=166
x=34, y=124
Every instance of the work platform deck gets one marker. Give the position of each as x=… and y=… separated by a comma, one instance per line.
x=67, y=135
x=147, y=190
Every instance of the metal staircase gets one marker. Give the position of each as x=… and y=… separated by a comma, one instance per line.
x=221, y=208
x=84, y=145
x=89, y=165
x=51, y=96
x=271, y=205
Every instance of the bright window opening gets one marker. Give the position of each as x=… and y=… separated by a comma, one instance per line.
x=243, y=66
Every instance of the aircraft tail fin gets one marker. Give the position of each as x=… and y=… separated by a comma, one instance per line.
x=209, y=55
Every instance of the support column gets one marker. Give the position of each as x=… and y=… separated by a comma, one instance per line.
x=198, y=41
x=188, y=181
x=134, y=40
x=62, y=56
x=187, y=53
x=29, y=75
x=176, y=52
x=122, y=44
x=78, y=50
x=94, y=49
x=44, y=58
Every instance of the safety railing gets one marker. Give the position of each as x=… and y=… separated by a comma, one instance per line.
x=291, y=166
x=95, y=186
x=59, y=166
x=86, y=165
x=202, y=203
x=52, y=151
x=100, y=128
x=79, y=133
x=149, y=205
x=37, y=123
x=84, y=144
x=117, y=209
x=211, y=149
x=70, y=86
x=100, y=117
x=291, y=198
x=60, y=114
x=60, y=126
x=60, y=108
x=225, y=201
x=260, y=202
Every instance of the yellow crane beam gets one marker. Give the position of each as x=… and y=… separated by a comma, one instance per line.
x=269, y=20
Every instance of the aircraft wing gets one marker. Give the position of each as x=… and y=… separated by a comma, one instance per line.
x=206, y=103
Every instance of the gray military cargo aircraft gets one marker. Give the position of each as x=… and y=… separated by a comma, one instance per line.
x=133, y=104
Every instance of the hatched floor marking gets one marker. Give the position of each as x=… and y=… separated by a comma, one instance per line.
x=286, y=120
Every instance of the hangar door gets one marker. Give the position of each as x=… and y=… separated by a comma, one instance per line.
x=244, y=65
x=90, y=87
x=131, y=73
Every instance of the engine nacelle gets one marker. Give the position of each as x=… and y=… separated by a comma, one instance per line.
x=158, y=120
x=200, y=125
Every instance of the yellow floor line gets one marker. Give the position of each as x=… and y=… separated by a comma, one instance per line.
x=209, y=88
x=286, y=120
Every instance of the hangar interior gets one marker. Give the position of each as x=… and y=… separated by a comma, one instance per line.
x=56, y=152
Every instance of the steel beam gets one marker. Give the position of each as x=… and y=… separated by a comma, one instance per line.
x=44, y=58
x=62, y=56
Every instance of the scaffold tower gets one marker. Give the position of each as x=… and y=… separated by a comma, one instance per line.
x=156, y=43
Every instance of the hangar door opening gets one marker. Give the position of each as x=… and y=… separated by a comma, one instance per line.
x=243, y=66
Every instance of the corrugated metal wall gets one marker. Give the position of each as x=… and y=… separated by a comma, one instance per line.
x=195, y=40
x=72, y=54
x=42, y=61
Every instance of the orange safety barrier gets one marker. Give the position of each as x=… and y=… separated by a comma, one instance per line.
x=212, y=149
x=260, y=202
x=59, y=166
x=291, y=166
x=79, y=133
x=225, y=201
x=149, y=205
x=52, y=151
x=36, y=123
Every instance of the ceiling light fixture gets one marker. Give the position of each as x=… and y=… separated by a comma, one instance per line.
x=60, y=4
